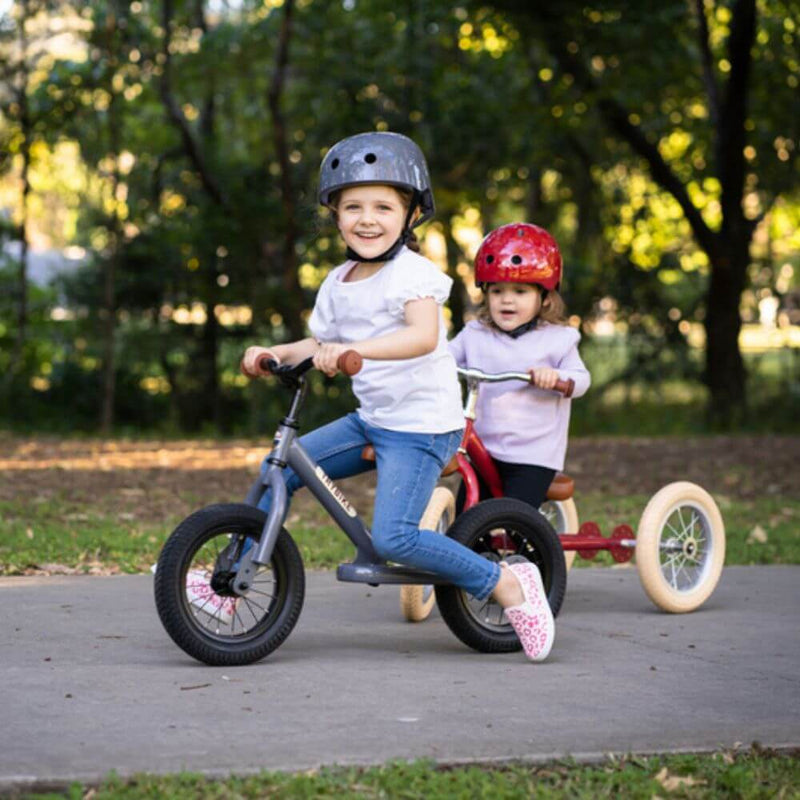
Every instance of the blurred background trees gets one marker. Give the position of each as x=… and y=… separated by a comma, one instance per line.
x=166, y=153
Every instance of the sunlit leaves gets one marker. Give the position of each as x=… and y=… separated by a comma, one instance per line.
x=649, y=223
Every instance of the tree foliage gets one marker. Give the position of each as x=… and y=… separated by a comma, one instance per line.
x=659, y=145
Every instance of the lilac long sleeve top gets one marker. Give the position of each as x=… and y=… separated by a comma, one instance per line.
x=517, y=422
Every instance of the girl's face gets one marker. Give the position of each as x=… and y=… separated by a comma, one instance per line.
x=513, y=304
x=370, y=218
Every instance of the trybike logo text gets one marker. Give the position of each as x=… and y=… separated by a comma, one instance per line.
x=336, y=492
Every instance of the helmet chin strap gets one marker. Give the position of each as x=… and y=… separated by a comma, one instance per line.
x=386, y=255
x=389, y=254
x=520, y=329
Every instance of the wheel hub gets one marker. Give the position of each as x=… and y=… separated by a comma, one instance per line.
x=690, y=547
x=222, y=583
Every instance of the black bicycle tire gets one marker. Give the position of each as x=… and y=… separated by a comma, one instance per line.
x=170, y=578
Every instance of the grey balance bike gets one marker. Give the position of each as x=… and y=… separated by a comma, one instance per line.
x=230, y=583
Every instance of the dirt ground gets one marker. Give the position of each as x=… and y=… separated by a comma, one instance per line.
x=155, y=479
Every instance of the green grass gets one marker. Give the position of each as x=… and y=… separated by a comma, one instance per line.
x=753, y=774
x=77, y=537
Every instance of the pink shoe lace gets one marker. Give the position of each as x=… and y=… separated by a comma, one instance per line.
x=532, y=620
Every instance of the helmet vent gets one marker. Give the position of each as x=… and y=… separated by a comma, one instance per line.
x=489, y=259
x=516, y=259
x=334, y=163
x=370, y=158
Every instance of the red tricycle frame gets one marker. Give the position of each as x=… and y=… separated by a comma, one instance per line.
x=473, y=459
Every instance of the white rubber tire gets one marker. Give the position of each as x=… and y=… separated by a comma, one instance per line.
x=416, y=602
x=563, y=516
x=684, y=515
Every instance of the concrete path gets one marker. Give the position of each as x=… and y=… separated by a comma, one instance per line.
x=92, y=683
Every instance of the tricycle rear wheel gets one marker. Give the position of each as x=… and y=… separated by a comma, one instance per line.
x=680, y=547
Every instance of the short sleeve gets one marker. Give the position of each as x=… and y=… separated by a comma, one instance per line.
x=322, y=322
x=415, y=278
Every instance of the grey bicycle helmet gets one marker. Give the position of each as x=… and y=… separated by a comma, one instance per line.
x=378, y=157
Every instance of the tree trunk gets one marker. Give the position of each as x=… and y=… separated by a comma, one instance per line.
x=110, y=265
x=210, y=348
x=725, y=373
x=293, y=299
x=22, y=285
x=26, y=130
x=109, y=320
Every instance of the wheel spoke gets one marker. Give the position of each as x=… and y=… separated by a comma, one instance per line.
x=249, y=610
x=682, y=571
x=253, y=590
x=483, y=607
x=684, y=527
x=676, y=534
x=681, y=568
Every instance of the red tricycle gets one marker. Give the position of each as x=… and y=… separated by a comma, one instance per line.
x=679, y=544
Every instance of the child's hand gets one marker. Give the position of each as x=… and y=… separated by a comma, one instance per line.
x=251, y=360
x=544, y=377
x=326, y=357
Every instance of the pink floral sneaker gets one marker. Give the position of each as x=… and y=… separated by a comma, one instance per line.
x=532, y=620
x=202, y=596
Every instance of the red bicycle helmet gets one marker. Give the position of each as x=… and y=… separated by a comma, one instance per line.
x=519, y=253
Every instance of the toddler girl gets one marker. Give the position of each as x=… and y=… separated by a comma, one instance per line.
x=522, y=327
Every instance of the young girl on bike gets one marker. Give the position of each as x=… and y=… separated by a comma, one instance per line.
x=522, y=326
x=385, y=302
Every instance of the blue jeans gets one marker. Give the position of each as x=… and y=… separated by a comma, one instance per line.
x=409, y=465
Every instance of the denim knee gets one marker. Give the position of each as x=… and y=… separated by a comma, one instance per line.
x=398, y=546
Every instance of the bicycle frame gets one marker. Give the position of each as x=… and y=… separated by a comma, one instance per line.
x=367, y=566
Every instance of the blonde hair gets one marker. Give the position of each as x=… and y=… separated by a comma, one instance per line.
x=553, y=309
x=406, y=198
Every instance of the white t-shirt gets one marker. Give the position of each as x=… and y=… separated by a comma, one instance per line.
x=418, y=395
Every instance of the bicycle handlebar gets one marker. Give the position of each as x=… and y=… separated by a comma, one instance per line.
x=349, y=362
x=565, y=387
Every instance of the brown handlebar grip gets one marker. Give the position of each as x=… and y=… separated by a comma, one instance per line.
x=566, y=387
x=350, y=362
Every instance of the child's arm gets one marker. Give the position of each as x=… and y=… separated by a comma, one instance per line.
x=572, y=366
x=417, y=338
x=290, y=353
